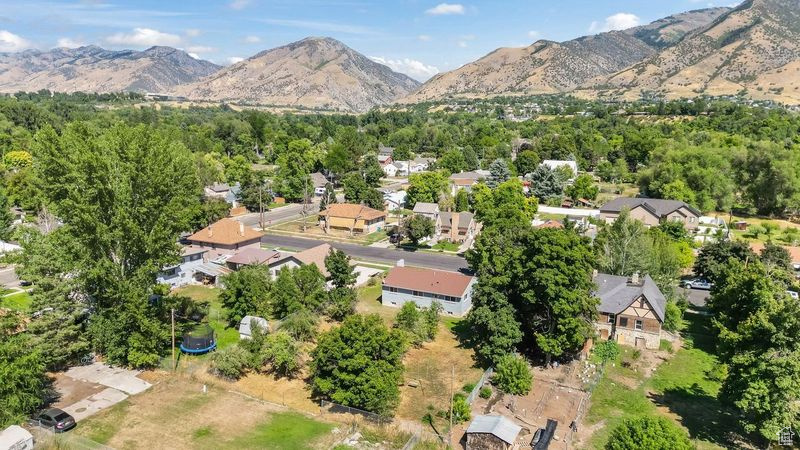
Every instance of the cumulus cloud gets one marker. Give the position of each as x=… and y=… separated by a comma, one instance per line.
x=239, y=4
x=10, y=42
x=619, y=21
x=200, y=49
x=411, y=67
x=533, y=34
x=66, y=42
x=144, y=37
x=445, y=9
x=234, y=59
x=251, y=39
x=193, y=32
x=424, y=37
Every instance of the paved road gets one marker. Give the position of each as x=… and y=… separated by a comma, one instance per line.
x=696, y=297
x=380, y=255
x=277, y=215
x=8, y=277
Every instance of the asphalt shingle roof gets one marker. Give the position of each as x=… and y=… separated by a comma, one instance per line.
x=499, y=426
x=616, y=294
x=657, y=206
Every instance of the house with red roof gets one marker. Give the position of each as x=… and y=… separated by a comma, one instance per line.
x=452, y=290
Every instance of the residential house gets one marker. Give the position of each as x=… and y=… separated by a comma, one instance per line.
x=631, y=310
x=182, y=273
x=252, y=256
x=652, y=211
x=421, y=164
x=395, y=200
x=429, y=210
x=452, y=290
x=385, y=160
x=356, y=218
x=550, y=223
x=457, y=227
x=314, y=255
x=492, y=433
x=554, y=164
x=391, y=169
x=225, y=192
x=465, y=180
x=225, y=237
x=385, y=151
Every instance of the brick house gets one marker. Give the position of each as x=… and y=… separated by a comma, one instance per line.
x=652, y=211
x=631, y=310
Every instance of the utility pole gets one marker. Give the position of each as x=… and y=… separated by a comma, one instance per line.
x=450, y=431
x=173, y=337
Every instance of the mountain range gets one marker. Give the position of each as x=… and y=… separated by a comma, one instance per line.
x=752, y=49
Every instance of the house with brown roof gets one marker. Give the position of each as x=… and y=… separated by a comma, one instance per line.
x=314, y=255
x=226, y=236
x=652, y=211
x=355, y=218
x=452, y=290
x=457, y=227
x=252, y=256
x=466, y=180
x=631, y=310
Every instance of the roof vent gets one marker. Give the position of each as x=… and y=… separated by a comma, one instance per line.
x=635, y=278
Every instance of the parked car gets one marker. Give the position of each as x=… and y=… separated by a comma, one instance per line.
x=25, y=283
x=57, y=419
x=793, y=294
x=698, y=283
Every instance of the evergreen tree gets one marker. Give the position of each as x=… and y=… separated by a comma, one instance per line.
x=22, y=371
x=498, y=173
x=341, y=270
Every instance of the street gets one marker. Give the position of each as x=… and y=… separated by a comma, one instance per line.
x=276, y=215
x=379, y=255
x=8, y=277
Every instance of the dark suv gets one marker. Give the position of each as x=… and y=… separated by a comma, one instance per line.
x=57, y=419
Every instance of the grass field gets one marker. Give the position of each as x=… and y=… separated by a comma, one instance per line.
x=216, y=315
x=18, y=302
x=681, y=388
x=176, y=414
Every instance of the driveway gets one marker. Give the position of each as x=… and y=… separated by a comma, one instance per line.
x=86, y=390
x=8, y=277
x=364, y=274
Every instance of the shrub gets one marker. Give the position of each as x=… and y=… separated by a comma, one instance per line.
x=461, y=409
x=606, y=351
x=301, y=325
x=650, y=433
x=666, y=346
x=230, y=362
x=636, y=354
x=485, y=392
x=282, y=352
x=718, y=373
x=468, y=387
x=513, y=375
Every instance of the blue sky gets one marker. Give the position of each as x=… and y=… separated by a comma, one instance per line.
x=417, y=37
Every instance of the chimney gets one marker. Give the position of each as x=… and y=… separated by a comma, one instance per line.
x=454, y=227
x=635, y=279
x=211, y=231
x=241, y=229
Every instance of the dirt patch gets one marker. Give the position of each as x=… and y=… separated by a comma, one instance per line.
x=72, y=390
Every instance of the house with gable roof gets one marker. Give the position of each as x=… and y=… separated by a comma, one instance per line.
x=631, y=310
x=652, y=211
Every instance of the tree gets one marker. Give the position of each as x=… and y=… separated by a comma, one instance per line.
x=498, y=173
x=527, y=161
x=545, y=276
x=623, y=246
x=453, y=161
x=359, y=364
x=356, y=190
x=776, y=256
x=506, y=206
x=341, y=302
x=22, y=371
x=713, y=256
x=420, y=324
x=512, y=375
x=300, y=288
x=17, y=159
x=461, y=201
x=493, y=328
x=342, y=272
x=425, y=187
x=6, y=218
x=255, y=193
x=124, y=195
x=247, y=291
x=545, y=183
x=301, y=325
x=648, y=433
x=230, y=362
x=583, y=187
x=417, y=227
x=209, y=211
x=295, y=184
x=282, y=353
x=328, y=197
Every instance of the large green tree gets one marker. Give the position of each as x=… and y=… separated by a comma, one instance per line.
x=22, y=370
x=426, y=187
x=648, y=433
x=247, y=291
x=359, y=364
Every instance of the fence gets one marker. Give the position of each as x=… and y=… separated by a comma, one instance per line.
x=477, y=389
x=327, y=407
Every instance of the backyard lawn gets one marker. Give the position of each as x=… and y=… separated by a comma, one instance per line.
x=216, y=313
x=19, y=302
x=682, y=388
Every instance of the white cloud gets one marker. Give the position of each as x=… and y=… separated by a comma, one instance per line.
x=144, y=37
x=200, y=49
x=463, y=44
x=444, y=9
x=69, y=43
x=234, y=59
x=251, y=40
x=193, y=32
x=424, y=37
x=533, y=34
x=411, y=67
x=619, y=21
x=10, y=42
x=239, y=4
x=194, y=55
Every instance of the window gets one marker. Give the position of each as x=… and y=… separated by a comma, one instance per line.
x=623, y=322
x=639, y=325
x=611, y=318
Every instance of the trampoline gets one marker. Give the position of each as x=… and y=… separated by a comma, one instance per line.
x=200, y=340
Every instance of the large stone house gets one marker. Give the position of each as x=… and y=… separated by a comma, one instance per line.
x=452, y=290
x=652, y=211
x=631, y=310
x=349, y=216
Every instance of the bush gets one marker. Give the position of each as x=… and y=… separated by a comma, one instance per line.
x=282, y=353
x=461, y=409
x=606, y=351
x=717, y=373
x=468, y=387
x=648, y=433
x=230, y=362
x=636, y=355
x=513, y=375
x=666, y=346
x=301, y=325
x=485, y=392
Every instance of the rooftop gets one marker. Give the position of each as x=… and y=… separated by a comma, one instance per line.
x=315, y=255
x=657, y=206
x=426, y=208
x=499, y=426
x=616, y=293
x=464, y=219
x=440, y=282
x=225, y=231
x=253, y=256
x=352, y=211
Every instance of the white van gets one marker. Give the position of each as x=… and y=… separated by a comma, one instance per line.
x=16, y=438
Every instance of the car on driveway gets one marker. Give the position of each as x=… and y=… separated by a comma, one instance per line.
x=56, y=419
x=698, y=283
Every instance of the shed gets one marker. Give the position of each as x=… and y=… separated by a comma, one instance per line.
x=17, y=438
x=491, y=433
x=247, y=323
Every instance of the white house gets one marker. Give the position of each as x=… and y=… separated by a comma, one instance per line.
x=395, y=200
x=182, y=273
x=554, y=164
x=224, y=192
x=390, y=170
x=452, y=290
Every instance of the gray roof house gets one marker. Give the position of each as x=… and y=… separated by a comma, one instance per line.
x=652, y=211
x=318, y=179
x=493, y=432
x=631, y=310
